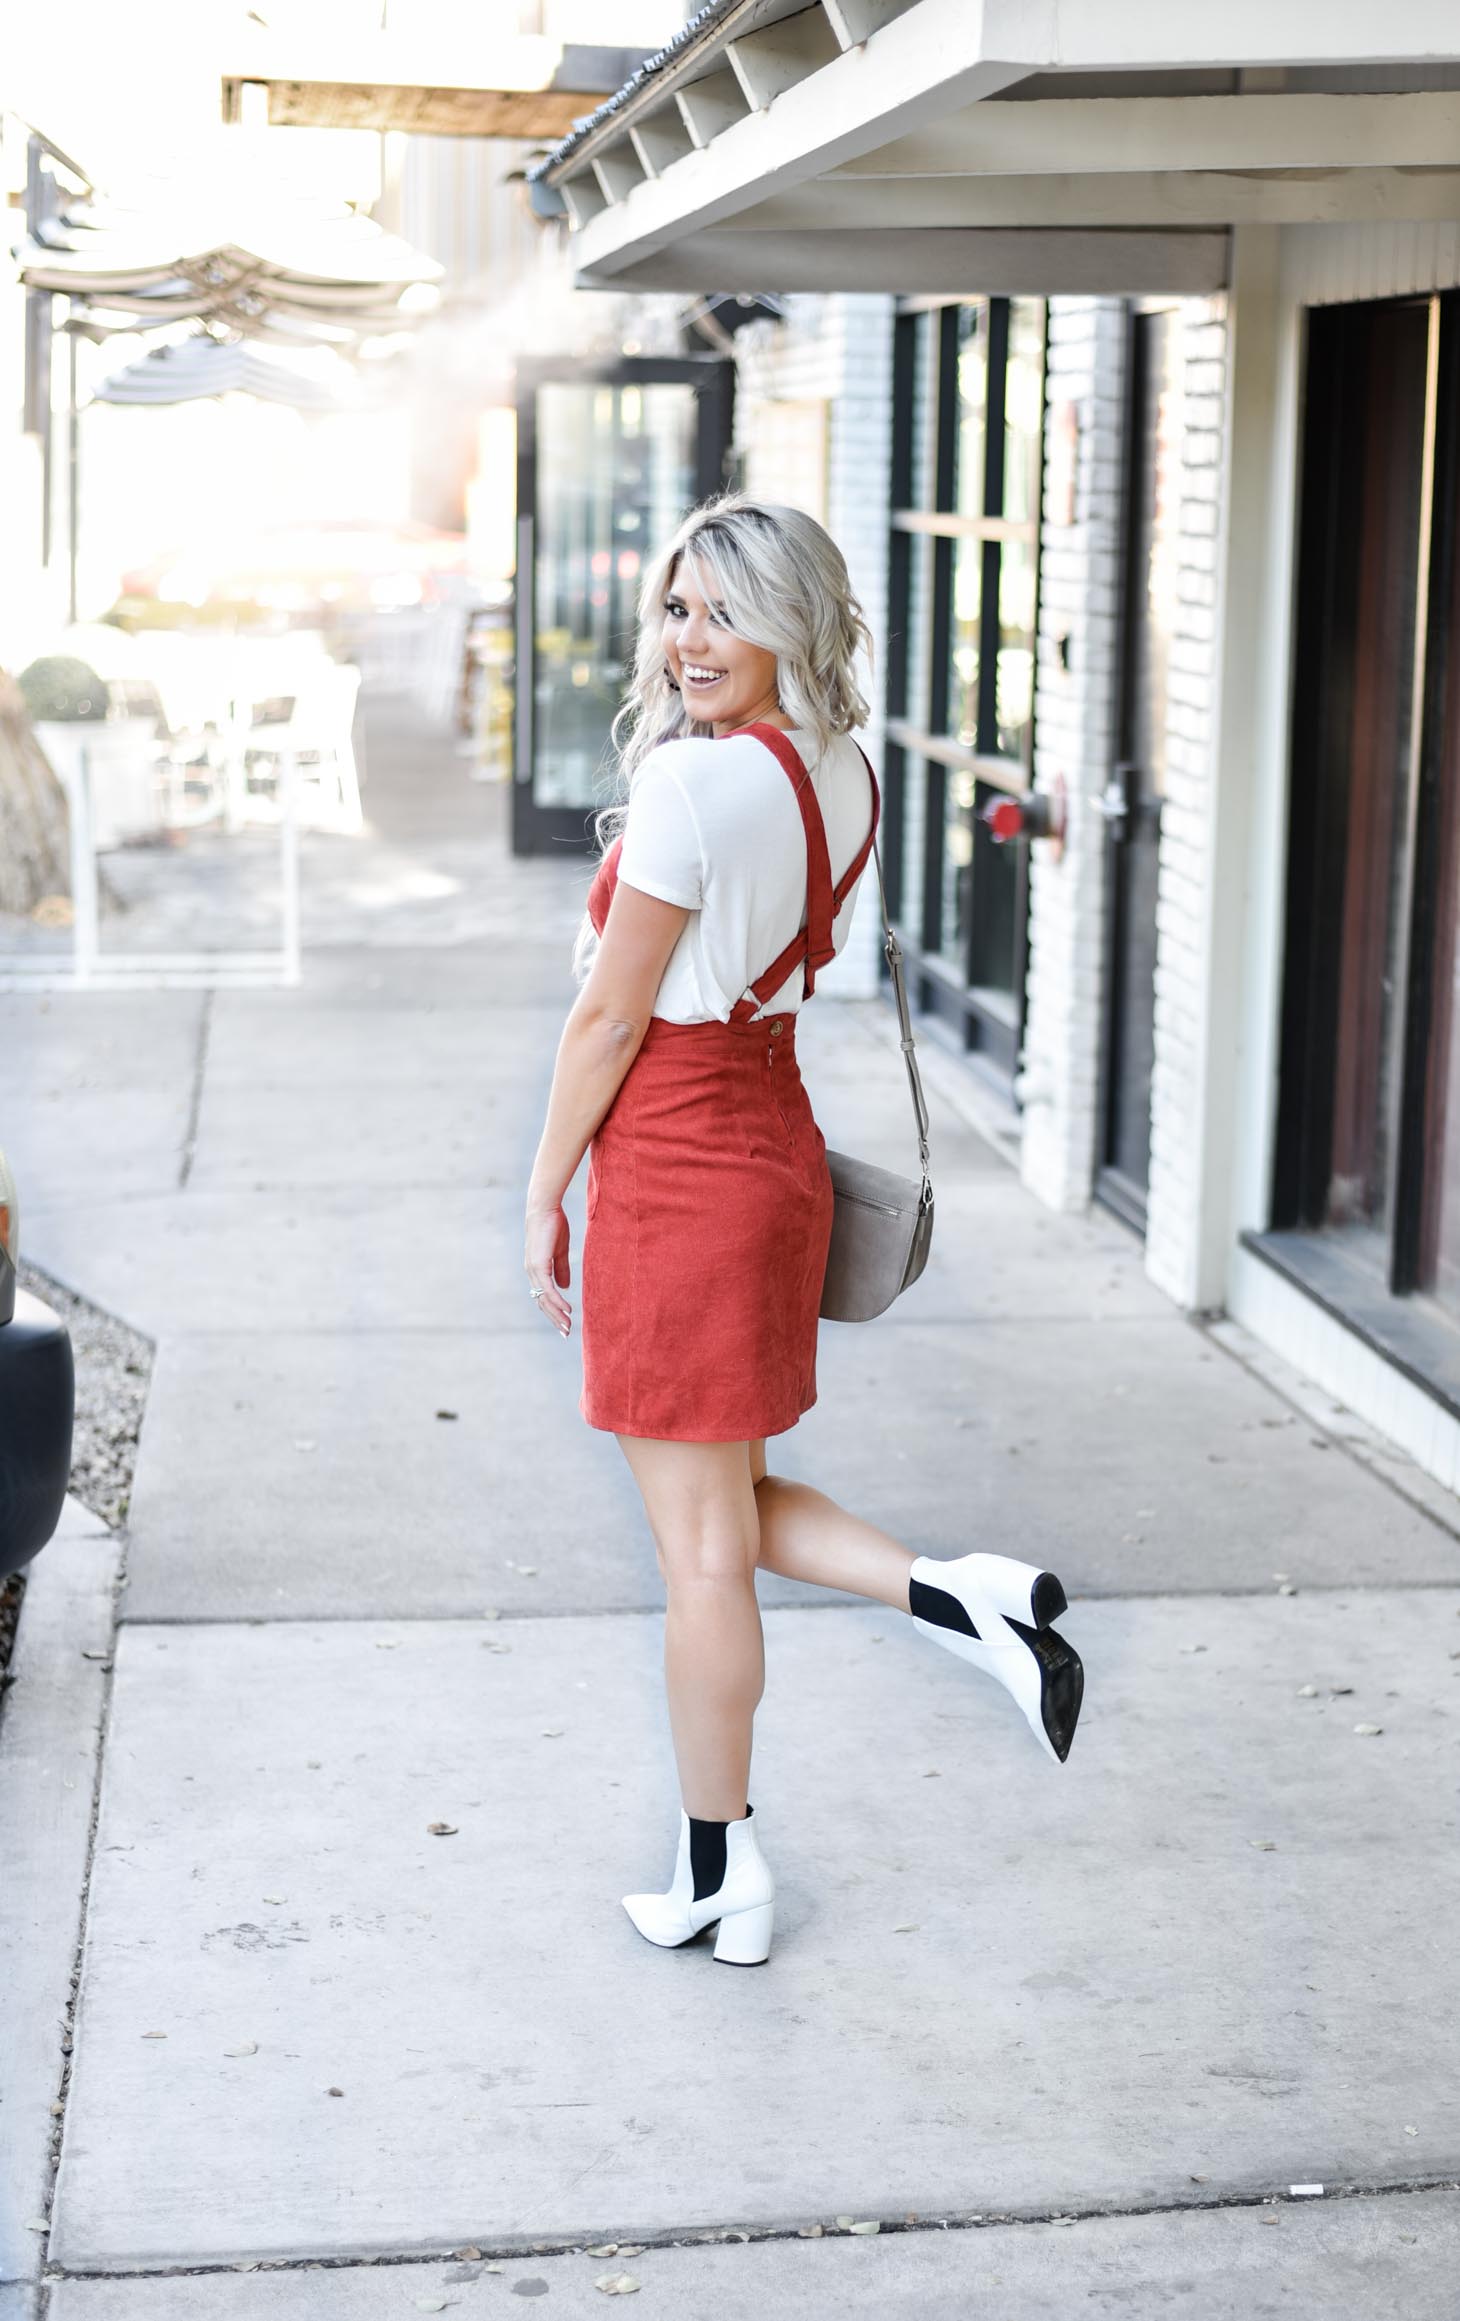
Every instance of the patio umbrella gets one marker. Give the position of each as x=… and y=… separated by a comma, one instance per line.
x=215, y=242
x=202, y=366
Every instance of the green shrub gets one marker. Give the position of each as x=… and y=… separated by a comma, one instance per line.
x=63, y=691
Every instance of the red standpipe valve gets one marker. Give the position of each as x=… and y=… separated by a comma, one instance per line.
x=1038, y=814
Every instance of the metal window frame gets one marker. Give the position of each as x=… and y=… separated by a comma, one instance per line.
x=540, y=829
x=923, y=748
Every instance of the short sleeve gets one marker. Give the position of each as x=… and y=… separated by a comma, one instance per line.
x=661, y=853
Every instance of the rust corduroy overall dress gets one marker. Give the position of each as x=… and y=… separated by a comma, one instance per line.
x=709, y=1201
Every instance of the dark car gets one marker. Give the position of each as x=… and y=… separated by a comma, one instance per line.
x=37, y=1404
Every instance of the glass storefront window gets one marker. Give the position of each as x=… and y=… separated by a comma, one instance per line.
x=924, y=408
x=970, y=388
x=965, y=638
x=1023, y=410
x=919, y=628
x=956, y=913
x=1014, y=678
x=616, y=471
x=972, y=421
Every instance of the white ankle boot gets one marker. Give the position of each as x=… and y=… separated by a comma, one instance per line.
x=744, y=1904
x=995, y=1613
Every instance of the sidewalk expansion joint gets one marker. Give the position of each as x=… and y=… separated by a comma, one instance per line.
x=825, y=1601
x=520, y=2251
x=68, y=2023
x=195, y=1094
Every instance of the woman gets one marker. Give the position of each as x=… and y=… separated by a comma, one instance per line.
x=749, y=820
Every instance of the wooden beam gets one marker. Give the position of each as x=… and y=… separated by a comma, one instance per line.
x=431, y=111
x=506, y=86
x=1087, y=134
x=1031, y=264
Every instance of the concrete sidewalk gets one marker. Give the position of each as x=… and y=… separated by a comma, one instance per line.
x=380, y=1576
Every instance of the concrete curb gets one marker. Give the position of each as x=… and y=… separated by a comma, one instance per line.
x=50, y=1744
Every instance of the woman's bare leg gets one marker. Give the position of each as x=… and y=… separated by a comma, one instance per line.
x=701, y=1507
x=806, y=1536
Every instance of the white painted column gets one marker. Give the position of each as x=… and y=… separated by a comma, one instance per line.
x=1209, y=945
x=1076, y=672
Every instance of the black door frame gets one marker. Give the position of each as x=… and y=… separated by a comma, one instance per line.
x=1113, y=1189
x=549, y=829
x=1319, y=832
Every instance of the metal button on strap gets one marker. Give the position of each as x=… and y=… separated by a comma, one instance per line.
x=775, y=1023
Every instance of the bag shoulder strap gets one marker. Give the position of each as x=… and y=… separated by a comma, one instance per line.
x=893, y=952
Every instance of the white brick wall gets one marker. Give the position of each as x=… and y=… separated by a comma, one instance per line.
x=836, y=350
x=1074, y=709
x=1173, y=1222
x=1075, y=712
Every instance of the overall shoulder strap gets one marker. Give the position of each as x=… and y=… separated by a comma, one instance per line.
x=811, y=945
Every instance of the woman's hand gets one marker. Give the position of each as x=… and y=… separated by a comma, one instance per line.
x=547, y=1265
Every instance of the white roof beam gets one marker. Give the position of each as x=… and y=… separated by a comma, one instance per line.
x=661, y=139
x=941, y=56
x=709, y=106
x=584, y=196
x=1085, y=134
x=1136, y=36
x=1133, y=199
x=769, y=62
x=1019, y=263
x=854, y=21
x=926, y=62
x=618, y=171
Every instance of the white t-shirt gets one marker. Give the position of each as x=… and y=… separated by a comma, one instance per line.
x=715, y=827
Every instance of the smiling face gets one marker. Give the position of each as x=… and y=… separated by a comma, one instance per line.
x=724, y=681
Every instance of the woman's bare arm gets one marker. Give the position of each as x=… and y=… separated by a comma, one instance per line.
x=602, y=1036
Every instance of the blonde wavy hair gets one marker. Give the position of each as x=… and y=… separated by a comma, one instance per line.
x=781, y=582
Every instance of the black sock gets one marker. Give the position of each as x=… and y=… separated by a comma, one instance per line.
x=707, y=1850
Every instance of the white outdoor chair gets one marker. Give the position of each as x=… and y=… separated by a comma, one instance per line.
x=316, y=730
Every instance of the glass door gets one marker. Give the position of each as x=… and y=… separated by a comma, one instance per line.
x=609, y=459
x=1366, y=1180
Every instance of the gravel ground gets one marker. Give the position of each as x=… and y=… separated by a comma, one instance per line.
x=11, y=1592
x=113, y=1368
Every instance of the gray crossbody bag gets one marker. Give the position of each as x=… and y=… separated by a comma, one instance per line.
x=883, y=1223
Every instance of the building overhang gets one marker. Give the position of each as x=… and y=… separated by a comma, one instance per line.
x=1033, y=145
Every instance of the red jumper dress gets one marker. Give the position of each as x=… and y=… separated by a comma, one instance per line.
x=709, y=1199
